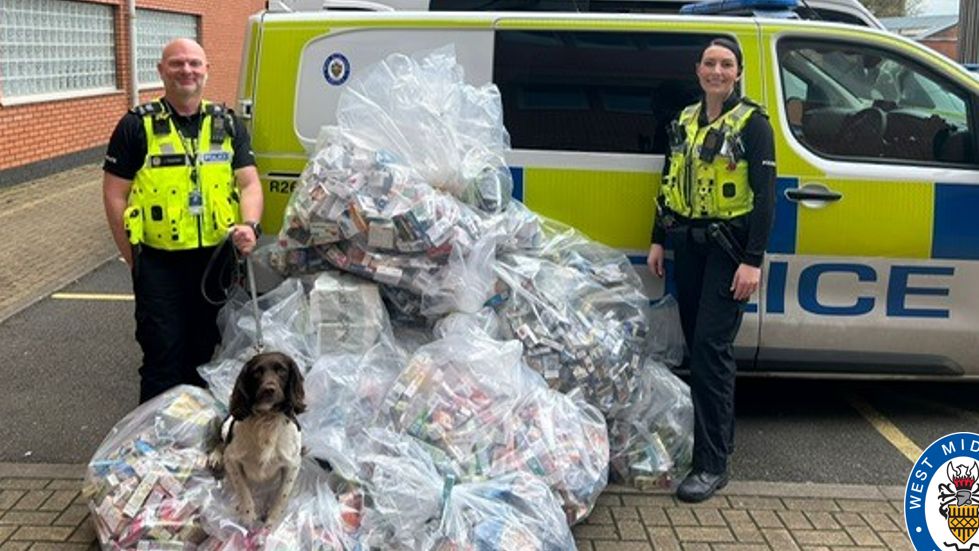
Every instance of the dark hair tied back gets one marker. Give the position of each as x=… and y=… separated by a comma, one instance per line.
x=730, y=45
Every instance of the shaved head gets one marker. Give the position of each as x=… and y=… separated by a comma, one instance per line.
x=182, y=45
x=183, y=70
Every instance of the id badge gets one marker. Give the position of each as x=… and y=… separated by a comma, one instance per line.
x=196, y=203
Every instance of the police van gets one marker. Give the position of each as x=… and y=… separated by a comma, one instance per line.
x=873, y=263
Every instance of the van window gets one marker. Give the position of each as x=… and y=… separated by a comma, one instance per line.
x=609, y=92
x=864, y=103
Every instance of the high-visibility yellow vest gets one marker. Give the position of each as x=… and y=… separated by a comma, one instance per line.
x=184, y=196
x=694, y=188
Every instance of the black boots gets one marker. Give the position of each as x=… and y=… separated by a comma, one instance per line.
x=700, y=485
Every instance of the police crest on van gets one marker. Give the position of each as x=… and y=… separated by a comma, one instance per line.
x=336, y=69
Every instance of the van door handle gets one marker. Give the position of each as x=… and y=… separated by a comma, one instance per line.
x=813, y=195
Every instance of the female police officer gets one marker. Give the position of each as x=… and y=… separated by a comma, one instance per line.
x=716, y=205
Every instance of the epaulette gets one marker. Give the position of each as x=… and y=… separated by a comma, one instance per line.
x=155, y=109
x=759, y=108
x=150, y=108
x=689, y=113
x=690, y=110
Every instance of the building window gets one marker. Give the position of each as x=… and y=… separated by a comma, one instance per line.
x=154, y=29
x=55, y=46
x=595, y=91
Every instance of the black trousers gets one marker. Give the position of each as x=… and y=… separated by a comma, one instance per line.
x=710, y=318
x=175, y=326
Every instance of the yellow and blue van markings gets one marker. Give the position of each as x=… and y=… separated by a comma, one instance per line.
x=956, y=223
x=615, y=208
x=574, y=177
x=516, y=173
x=874, y=218
x=911, y=220
x=943, y=213
x=782, y=238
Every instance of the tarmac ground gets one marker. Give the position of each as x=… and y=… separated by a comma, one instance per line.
x=812, y=478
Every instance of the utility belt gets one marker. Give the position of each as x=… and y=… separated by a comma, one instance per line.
x=724, y=233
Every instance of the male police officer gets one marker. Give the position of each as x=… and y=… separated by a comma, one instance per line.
x=179, y=177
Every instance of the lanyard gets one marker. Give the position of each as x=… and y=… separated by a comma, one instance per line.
x=190, y=144
x=195, y=201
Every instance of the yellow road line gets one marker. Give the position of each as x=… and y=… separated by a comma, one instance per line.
x=886, y=429
x=91, y=296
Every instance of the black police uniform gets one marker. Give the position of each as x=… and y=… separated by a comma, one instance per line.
x=703, y=272
x=175, y=326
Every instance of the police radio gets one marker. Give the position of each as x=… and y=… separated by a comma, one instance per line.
x=713, y=142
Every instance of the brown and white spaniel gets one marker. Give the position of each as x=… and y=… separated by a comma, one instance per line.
x=261, y=440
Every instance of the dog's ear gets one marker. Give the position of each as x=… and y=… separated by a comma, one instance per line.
x=242, y=400
x=295, y=394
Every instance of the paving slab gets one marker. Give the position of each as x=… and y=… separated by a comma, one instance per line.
x=51, y=513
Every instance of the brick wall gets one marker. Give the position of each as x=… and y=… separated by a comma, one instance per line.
x=946, y=42
x=947, y=46
x=38, y=134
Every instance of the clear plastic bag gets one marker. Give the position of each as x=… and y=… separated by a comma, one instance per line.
x=652, y=438
x=515, y=511
x=518, y=228
x=483, y=323
x=405, y=492
x=285, y=328
x=398, y=191
x=346, y=315
x=456, y=392
x=313, y=520
x=420, y=111
x=481, y=412
x=344, y=395
x=360, y=214
x=602, y=264
x=578, y=333
x=220, y=376
x=665, y=341
x=292, y=261
x=561, y=439
x=467, y=281
x=285, y=323
x=410, y=336
x=148, y=481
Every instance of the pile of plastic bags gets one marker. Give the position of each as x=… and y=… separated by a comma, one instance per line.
x=473, y=400
x=472, y=370
x=149, y=481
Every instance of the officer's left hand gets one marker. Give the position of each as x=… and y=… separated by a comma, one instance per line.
x=745, y=281
x=244, y=238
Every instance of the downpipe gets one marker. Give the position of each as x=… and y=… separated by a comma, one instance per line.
x=133, y=75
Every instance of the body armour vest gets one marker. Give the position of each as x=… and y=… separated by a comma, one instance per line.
x=708, y=176
x=184, y=196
